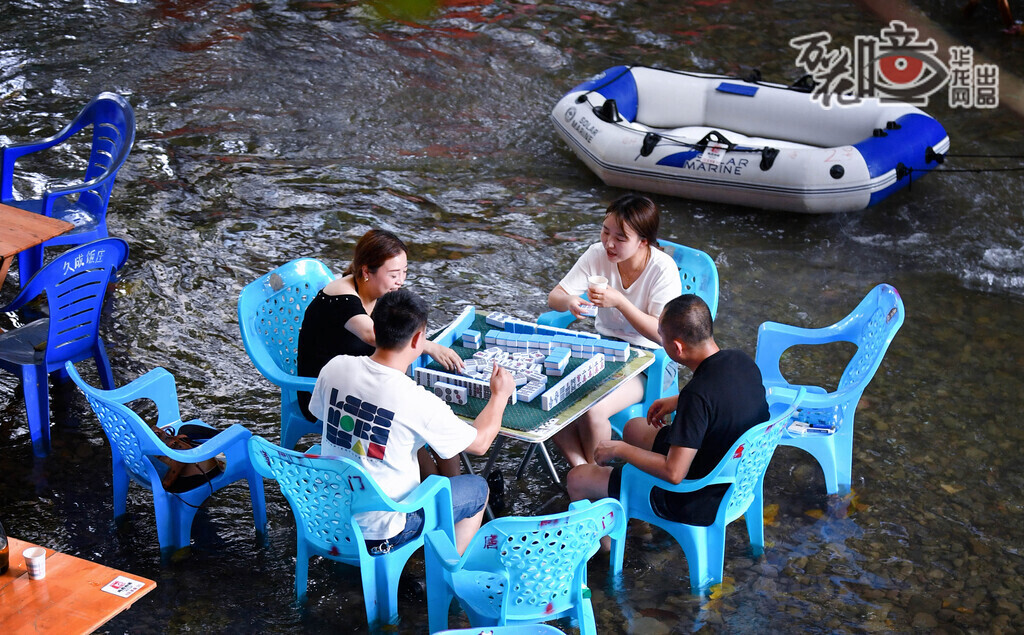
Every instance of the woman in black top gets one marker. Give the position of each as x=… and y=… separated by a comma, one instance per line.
x=337, y=321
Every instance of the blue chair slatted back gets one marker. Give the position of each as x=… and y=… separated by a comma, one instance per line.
x=879, y=316
x=747, y=461
x=76, y=285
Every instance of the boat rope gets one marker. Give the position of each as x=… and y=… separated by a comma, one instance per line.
x=951, y=170
x=931, y=155
x=903, y=170
x=1019, y=157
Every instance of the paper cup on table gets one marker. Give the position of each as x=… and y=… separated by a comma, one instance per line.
x=35, y=561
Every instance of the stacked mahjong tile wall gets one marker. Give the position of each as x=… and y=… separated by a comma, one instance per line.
x=525, y=416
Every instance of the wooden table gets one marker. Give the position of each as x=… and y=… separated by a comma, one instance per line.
x=21, y=230
x=68, y=600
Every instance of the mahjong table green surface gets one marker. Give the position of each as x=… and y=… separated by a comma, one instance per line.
x=527, y=421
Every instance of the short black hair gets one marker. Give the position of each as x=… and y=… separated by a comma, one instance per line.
x=398, y=316
x=687, y=319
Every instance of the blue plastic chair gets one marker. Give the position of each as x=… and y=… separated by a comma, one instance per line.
x=83, y=203
x=699, y=275
x=524, y=629
x=324, y=494
x=523, y=570
x=135, y=450
x=270, y=311
x=75, y=284
x=871, y=327
x=743, y=469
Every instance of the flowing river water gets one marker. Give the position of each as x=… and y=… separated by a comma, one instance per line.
x=274, y=129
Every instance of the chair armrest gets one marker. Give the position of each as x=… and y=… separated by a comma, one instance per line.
x=802, y=335
x=30, y=290
x=424, y=494
x=11, y=153
x=158, y=386
x=273, y=373
x=580, y=504
x=229, y=442
x=774, y=339
x=816, y=397
x=442, y=546
x=296, y=383
x=434, y=496
x=558, y=319
x=636, y=479
x=653, y=390
x=59, y=191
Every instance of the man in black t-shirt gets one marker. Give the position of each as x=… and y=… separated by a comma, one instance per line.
x=724, y=398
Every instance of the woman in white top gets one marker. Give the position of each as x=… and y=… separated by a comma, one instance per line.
x=642, y=279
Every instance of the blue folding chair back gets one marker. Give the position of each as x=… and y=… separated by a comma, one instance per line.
x=742, y=469
x=698, y=275
x=871, y=327
x=325, y=493
x=75, y=285
x=136, y=454
x=82, y=202
x=270, y=312
x=523, y=570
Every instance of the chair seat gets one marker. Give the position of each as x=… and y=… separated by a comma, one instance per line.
x=82, y=218
x=25, y=345
x=480, y=591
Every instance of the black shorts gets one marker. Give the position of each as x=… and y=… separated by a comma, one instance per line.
x=660, y=446
x=693, y=508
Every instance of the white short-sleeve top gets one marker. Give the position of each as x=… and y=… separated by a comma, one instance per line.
x=650, y=292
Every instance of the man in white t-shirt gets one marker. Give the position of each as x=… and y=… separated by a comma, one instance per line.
x=375, y=414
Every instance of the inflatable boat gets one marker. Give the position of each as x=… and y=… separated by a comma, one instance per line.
x=719, y=138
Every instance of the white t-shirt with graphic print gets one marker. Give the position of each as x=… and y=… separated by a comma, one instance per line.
x=380, y=418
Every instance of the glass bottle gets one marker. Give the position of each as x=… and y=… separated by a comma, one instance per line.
x=5, y=551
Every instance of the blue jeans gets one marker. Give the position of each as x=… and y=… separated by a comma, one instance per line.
x=469, y=496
